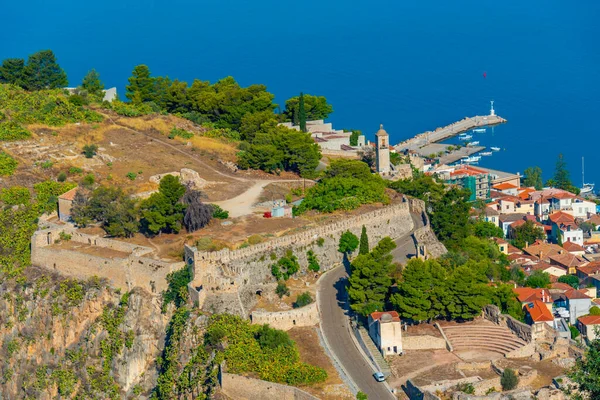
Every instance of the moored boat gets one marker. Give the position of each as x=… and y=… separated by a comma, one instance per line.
x=495, y=148
x=479, y=130
x=486, y=153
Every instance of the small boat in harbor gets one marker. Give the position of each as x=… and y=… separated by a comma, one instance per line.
x=479, y=130
x=465, y=137
x=476, y=143
x=588, y=188
x=486, y=153
x=495, y=148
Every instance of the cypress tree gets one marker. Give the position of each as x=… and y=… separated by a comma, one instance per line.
x=302, y=113
x=364, y=242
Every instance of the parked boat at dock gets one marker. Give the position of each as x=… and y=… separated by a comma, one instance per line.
x=495, y=148
x=486, y=153
x=465, y=137
x=479, y=130
x=476, y=143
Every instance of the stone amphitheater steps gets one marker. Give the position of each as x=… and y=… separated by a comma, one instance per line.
x=494, y=338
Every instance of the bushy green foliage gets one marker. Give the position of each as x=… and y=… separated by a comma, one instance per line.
x=61, y=177
x=354, y=137
x=364, y=241
x=572, y=280
x=65, y=381
x=129, y=109
x=15, y=195
x=8, y=165
x=533, y=178
x=527, y=234
x=92, y=85
x=272, y=356
x=574, y=332
x=586, y=372
x=538, y=279
x=595, y=310
x=162, y=211
x=89, y=150
x=509, y=379
x=370, y=278
x=18, y=224
x=47, y=192
x=177, y=291
x=302, y=300
x=313, y=262
x=219, y=213
x=315, y=107
x=282, y=289
x=10, y=130
x=347, y=185
x=110, y=206
x=486, y=230
x=285, y=267
x=182, y=133
x=348, y=242
x=48, y=107
x=361, y=396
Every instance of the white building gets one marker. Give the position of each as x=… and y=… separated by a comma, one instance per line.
x=383, y=151
x=327, y=137
x=386, y=331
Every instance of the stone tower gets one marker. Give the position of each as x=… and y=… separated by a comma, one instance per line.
x=383, y=151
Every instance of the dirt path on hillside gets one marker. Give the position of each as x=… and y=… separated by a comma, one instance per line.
x=242, y=205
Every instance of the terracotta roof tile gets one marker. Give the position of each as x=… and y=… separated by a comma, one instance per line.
x=538, y=311
x=590, y=320
x=378, y=314
x=571, y=246
x=576, y=294
x=504, y=186
x=70, y=195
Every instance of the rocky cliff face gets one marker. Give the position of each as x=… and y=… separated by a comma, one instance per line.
x=64, y=337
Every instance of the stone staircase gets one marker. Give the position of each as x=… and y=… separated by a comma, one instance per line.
x=489, y=337
x=372, y=351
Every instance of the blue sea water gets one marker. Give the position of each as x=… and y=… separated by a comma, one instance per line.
x=411, y=65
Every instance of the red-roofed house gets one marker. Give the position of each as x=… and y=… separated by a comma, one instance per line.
x=568, y=261
x=586, y=271
x=564, y=228
x=555, y=271
x=576, y=302
x=527, y=295
x=536, y=312
x=594, y=220
x=587, y=326
x=506, y=188
x=386, y=331
x=65, y=203
x=574, y=248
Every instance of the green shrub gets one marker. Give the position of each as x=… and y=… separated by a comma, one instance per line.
x=130, y=109
x=10, y=130
x=320, y=242
x=574, y=332
x=182, y=133
x=303, y=299
x=75, y=170
x=219, y=213
x=313, y=262
x=466, y=388
x=282, y=290
x=89, y=150
x=64, y=236
x=269, y=338
x=273, y=256
x=361, y=396
x=8, y=165
x=285, y=267
x=177, y=291
x=255, y=239
x=47, y=164
x=131, y=176
x=61, y=177
x=509, y=379
x=88, y=180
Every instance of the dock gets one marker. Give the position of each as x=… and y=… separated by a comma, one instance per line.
x=456, y=128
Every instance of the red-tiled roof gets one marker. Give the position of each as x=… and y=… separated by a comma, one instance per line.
x=545, y=249
x=70, y=195
x=576, y=294
x=525, y=294
x=571, y=247
x=504, y=186
x=561, y=217
x=538, y=311
x=592, y=268
x=561, y=286
x=567, y=260
x=563, y=195
x=594, y=219
x=514, y=250
x=500, y=241
x=590, y=320
x=378, y=314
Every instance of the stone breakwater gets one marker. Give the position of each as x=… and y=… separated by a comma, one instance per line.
x=228, y=280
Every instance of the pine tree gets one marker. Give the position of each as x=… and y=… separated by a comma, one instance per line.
x=364, y=242
x=141, y=85
x=43, y=72
x=92, y=85
x=11, y=71
x=302, y=113
x=561, y=178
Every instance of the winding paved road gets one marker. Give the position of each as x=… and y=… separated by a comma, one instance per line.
x=335, y=322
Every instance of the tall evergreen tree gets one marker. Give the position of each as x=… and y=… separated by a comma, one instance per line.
x=11, y=71
x=141, y=85
x=364, y=242
x=533, y=177
x=43, y=72
x=92, y=85
x=562, y=179
x=302, y=113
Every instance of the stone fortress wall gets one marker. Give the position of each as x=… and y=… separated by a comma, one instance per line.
x=286, y=320
x=245, y=388
x=227, y=280
x=125, y=265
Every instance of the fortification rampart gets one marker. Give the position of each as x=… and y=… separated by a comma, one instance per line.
x=227, y=280
x=125, y=265
x=286, y=320
x=244, y=388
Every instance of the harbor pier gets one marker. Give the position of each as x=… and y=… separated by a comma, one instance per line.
x=448, y=131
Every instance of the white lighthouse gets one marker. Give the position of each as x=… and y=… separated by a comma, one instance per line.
x=492, y=111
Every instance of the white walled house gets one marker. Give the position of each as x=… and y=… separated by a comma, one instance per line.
x=385, y=329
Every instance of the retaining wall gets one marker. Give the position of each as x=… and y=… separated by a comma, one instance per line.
x=286, y=320
x=423, y=342
x=523, y=331
x=242, y=388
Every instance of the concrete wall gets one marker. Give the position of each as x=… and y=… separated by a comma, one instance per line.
x=286, y=320
x=424, y=342
x=244, y=271
x=242, y=388
x=131, y=270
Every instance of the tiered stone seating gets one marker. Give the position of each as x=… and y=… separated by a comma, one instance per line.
x=493, y=338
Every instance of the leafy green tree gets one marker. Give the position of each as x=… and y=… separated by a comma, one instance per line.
x=92, y=85
x=286, y=267
x=348, y=243
x=316, y=107
x=562, y=178
x=8, y=165
x=313, y=262
x=469, y=293
x=361, y=396
x=364, y=242
x=370, y=278
x=587, y=371
x=527, y=234
x=282, y=289
x=141, y=85
x=11, y=71
x=163, y=211
x=450, y=216
x=574, y=332
x=43, y=72
x=505, y=298
x=572, y=280
x=176, y=98
x=509, y=379
x=354, y=137
x=595, y=310
x=533, y=178
x=486, y=230
x=269, y=338
x=302, y=113
x=538, y=279
x=89, y=150
x=177, y=291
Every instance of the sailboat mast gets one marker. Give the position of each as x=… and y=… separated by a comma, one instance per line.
x=582, y=173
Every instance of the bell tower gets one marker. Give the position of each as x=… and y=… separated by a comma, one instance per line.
x=383, y=151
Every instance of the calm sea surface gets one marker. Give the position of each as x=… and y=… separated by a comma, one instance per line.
x=411, y=65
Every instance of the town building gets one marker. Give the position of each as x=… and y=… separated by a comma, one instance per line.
x=576, y=302
x=564, y=228
x=65, y=203
x=329, y=138
x=588, y=326
x=478, y=181
x=536, y=313
x=382, y=151
x=386, y=331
